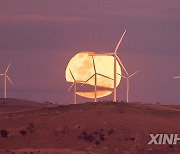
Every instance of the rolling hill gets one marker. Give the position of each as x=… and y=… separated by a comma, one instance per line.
x=103, y=127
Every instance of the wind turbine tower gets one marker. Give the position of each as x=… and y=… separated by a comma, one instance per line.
x=127, y=82
x=75, y=86
x=114, y=54
x=5, y=80
x=95, y=80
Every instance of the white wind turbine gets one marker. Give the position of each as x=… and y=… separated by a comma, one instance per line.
x=74, y=84
x=177, y=77
x=95, y=80
x=5, y=80
x=114, y=54
x=127, y=81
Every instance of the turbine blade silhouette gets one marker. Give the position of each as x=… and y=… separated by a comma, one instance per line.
x=114, y=54
x=5, y=80
x=119, y=42
x=94, y=65
x=88, y=79
x=7, y=68
x=72, y=75
x=71, y=86
x=104, y=76
x=103, y=54
x=133, y=74
x=9, y=79
x=122, y=75
x=118, y=59
x=127, y=82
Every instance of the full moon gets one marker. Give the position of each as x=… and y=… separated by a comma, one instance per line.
x=81, y=66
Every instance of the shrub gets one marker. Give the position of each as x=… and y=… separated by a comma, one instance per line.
x=23, y=132
x=110, y=131
x=4, y=133
x=30, y=128
x=87, y=137
x=101, y=136
x=97, y=142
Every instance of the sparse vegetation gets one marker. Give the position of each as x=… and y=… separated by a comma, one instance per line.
x=65, y=130
x=30, y=128
x=27, y=130
x=110, y=131
x=123, y=101
x=101, y=136
x=171, y=146
x=97, y=136
x=158, y=103
x=130, y=139
x=4, y=133
x=23, y=132
x=87, y=137
x=97, y=142
x=46, y=102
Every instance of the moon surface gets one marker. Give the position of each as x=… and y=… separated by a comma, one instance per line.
x=81, y=66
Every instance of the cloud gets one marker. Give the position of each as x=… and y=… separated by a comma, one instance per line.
x=40, y=17
x=148, y=10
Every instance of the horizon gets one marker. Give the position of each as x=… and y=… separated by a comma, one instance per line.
x=39, y=39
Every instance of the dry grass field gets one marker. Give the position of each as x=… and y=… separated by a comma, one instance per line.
x=102, y=127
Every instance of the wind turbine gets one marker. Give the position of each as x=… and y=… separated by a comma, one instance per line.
x=95, y=80
x=5, y=80
x=177, y=77
x=74, y=84
x=114, y=54
x=127, y=80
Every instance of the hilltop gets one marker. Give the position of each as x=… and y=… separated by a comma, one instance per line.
x=103, y=127
x=10, y=105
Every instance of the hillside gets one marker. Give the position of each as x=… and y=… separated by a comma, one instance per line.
x=10, y=105
x=90, y=128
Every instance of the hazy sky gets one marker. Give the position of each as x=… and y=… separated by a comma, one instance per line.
x=40, y=37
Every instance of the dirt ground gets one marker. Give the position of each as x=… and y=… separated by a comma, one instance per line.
x=102, y=127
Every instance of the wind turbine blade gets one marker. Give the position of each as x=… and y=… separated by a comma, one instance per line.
x=7, y=68
x=177, y=77
x=133, y=74
x=118, y=59
x=72, y=75
x=102, y=54
x=122, y=75
x=94, y=64
x=1, y=74
x=117, y=46
x=79, y=81
x=88, y=79
x=9, y=79
x=104, y=76
x=71, y=86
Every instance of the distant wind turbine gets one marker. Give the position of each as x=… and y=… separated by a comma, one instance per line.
x=177, y=77
x=74, y=84
x=5, y=80
x=114, y=54
x=127, y=80
x=95, y=81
